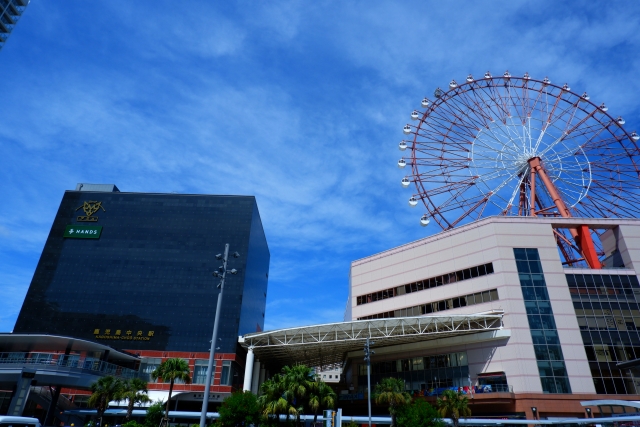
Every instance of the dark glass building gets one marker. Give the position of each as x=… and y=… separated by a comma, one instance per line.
x=134, y=270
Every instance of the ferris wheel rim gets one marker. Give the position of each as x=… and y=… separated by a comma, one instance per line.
x=579, y=103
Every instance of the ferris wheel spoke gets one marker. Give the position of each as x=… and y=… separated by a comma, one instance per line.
x=474, y=109
x=471, y=152
x=482, y=102
x=503, y=183
x=510, y=147
x=569, y=138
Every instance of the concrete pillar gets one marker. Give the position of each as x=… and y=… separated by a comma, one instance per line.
x=263, y=374
x=19, y=400
x=256, y=378
x=248, y=371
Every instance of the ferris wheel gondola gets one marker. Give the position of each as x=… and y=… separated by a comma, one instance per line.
x=523, y=147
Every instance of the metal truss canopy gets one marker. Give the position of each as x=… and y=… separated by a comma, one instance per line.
x=321, y=345
x=10, y=13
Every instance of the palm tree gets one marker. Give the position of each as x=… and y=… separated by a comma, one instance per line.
x=171, y=370
x=390, y=391
x=134, y=391
x=453, y=405
x=274, y=398
x=322, y=396
x=298, y=380
x=103, y=391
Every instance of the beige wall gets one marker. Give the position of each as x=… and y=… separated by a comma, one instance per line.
x=491, y=240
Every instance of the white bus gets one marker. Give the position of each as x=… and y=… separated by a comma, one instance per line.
x=6, y=421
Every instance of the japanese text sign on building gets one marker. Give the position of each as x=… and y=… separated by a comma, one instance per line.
x=122, y=334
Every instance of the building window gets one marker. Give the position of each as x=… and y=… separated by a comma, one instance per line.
x=200, y=371
x=608, y=315
x=147, y=366
x=546, y=344
x=225, y=379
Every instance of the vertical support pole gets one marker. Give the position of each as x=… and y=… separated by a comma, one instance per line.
x=255, y=382
x=19, y=399
x=532, y=196
x=55, y=396
x=522, y=201
x=327, y=417
x=261, y=378
x=214, y=339
x=369, y=391
x=588, y=248
x=248, y=371
x=581, y=235
x=367, y=358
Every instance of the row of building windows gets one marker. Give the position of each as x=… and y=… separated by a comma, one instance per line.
x=609, y=317
x=421, y=373
x=149, y=364
x=456, y=276
x=442, y=305
x=417, y=363
x=615, y=281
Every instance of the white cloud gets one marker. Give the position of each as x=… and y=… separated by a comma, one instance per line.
x=301, y=105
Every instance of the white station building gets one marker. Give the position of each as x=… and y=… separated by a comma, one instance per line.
x=563, y=330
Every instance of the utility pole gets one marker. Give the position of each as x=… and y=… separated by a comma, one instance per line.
x=222, y=273
x=367, y=357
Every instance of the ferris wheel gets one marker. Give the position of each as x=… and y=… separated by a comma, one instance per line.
x=519, y=146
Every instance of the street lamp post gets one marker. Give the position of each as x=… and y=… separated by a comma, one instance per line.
x=222, y=273
x=367, y=357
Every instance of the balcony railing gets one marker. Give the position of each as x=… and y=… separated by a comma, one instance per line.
x=480, y=389
x=66, y=362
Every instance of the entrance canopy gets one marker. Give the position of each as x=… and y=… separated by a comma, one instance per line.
x=321, y=345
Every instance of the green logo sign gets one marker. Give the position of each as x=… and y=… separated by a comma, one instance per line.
x=83, y=231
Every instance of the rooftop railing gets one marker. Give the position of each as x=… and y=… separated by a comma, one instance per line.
x=62, y=362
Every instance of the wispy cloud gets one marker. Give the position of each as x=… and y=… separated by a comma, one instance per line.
x=301, y=105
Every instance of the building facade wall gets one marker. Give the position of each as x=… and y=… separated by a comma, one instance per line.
x=490, y=241
x=146, y=283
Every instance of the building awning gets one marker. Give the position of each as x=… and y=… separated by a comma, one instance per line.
x=44, y=343
x=611, y=402
x=321, y=345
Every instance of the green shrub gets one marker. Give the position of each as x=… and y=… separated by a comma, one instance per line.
x=155, y=413
x=239, y=409
x=419, y=414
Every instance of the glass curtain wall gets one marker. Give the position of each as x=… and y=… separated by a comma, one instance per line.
x=546, y=344
x=608, y=314
x=420, y=373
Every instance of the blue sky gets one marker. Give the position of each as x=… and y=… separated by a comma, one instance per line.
x=298, y=103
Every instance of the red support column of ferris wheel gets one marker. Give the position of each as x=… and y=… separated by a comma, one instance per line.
x=581, y=235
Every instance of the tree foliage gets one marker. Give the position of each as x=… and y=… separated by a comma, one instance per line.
x=390, y=391
x=171, y=370
x=103, y=391
x=418, y=413
x=321, y=396
x=155, y=412
x=239, y=409
x=453, y=405
x=293, y=392
x=134, y=391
